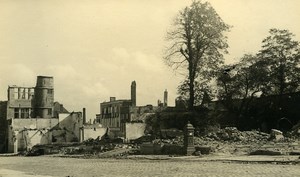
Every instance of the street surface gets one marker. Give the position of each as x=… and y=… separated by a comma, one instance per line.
x=45, y=166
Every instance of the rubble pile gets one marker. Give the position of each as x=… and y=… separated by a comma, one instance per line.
x=175, y=141
x=229, y=134
x=96, y=146
x=232, y=141
x=225, y=141
x=232, y=134
x=88, y=147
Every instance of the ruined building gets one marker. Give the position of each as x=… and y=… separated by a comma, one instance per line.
x=115, y=113
x=120, y=115
x=30, y=116
x=31, y=102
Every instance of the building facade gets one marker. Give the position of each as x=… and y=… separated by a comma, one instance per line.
x=31, y=102
x=116, y=114
x=31, y=117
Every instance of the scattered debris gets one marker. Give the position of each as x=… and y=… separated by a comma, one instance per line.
x=204, y=149
x=142, y=139
x=221, y=141
x=276, y=135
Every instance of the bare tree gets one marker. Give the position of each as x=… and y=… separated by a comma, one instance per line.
x=196, y=43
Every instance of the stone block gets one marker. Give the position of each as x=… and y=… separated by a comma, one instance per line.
x=150, y=149
x=265, y=152
x=171, y=149
x=276, y=135
x=204, y=149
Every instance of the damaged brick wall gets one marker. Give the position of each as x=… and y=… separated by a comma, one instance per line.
x=93, y=131
x=25, y=133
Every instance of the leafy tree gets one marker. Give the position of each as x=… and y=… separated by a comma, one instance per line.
x=202, y=90
x=250, y=77
x=226, y=83
x=196, y=44
x=275, y=71
x=281, y=54
x=238, y=84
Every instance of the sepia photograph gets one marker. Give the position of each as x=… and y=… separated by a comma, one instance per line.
x=136, y=88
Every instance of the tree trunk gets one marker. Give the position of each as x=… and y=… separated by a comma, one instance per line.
x=191, y=87
x=282, y=87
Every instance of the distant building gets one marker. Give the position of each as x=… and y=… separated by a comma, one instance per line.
x=30, y=116
x=140, y=113
x=59, y=109
x=31, y=102
x=115, y=114
x=98, y=118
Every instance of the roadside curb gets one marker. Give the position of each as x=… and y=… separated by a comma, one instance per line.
x=9, y=154
x=230, y=159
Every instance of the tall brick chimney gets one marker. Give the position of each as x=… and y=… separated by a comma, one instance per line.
x=133, y=93
x=166, y=98
x=84, y=115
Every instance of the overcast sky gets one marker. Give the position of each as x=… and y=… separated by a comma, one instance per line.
x=94, y=49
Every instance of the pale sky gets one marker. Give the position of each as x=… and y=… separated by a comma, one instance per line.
x=94, y=49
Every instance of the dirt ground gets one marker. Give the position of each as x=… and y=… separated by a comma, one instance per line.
x=45, y=166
